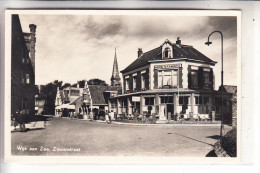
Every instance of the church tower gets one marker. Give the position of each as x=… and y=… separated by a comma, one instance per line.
x=115, y=79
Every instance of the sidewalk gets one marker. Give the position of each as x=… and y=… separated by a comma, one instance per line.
x=32, y=125
x=160, y=124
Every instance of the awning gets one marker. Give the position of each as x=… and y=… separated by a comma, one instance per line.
x=86, y=101
x=64, y=106
x=71, y=107
x=58, y=107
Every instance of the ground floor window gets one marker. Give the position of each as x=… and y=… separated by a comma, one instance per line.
x=149, y=100
x=25, y=106
x=183, y=100
x=167, y=99
x=198, y=100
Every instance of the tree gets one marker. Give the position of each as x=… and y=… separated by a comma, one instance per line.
x=49, y=92
x=82, y=83
x=57, y=83
x=97, y=82
x=65, y=86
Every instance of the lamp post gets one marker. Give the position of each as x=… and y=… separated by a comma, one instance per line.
x=222, y=72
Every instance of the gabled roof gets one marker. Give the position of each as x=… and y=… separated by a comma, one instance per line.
x=97, y=93
x=74, y=101
x=229, y=88
x=179, y=52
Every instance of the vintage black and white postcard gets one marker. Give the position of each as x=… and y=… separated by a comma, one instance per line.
x=123, y=86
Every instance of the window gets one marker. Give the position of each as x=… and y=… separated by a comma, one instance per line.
x=174, y=78
x=23, y=60
x=160, y=79
x=149, y=100
x=22, y=76
x=194, y=79
x=184, y=100
x=206, y=79
x=127, y=84
x=143, y=81
x=167, y=53
x=167, y=78
x=134, y=83
x=206, y=100
x=74, y=92
x=167, y=99
x=25, y=106
x=198, y=100
x=27, y=78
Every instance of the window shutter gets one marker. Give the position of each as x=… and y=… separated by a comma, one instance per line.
x=155, y=79
x=131, y=83
x=138, y=81
x=211, y=79
x=147, y=79
x=189, y=77
x=124, y=84
x=200, y=78
x=180, y=77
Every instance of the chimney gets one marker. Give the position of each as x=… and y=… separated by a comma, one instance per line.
x=32, y=46
x=178, y=42
x=139, y=52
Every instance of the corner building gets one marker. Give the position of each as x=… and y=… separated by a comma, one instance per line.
x=173, y=81
x=22, y=68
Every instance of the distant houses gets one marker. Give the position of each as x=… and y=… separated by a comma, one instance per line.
x=84, y=101
x=90, y=101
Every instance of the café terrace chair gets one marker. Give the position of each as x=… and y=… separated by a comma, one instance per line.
x=207, y=117
x=186, y=117
x=196, y=117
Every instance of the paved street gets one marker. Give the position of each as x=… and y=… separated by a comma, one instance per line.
x=78, y=137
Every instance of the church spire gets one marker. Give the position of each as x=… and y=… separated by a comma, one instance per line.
x=115, y=79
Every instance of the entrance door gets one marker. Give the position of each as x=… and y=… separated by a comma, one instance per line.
x=170, y=111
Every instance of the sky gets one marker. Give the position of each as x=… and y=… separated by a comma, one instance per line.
x=75, y=47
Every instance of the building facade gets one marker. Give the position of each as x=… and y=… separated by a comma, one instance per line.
x=173, y=81
x=69, y=98
x=88, y=101
x=22, y=68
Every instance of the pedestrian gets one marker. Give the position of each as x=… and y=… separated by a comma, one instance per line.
x=112, y=115
x=20, y=119
x=136, y=116
x=107, y=117
x=14, y=122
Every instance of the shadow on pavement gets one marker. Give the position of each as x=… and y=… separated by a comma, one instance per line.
x=27, y=130
x=34, y=118
x=211, y=154
x=193, y=139
x=214, y=137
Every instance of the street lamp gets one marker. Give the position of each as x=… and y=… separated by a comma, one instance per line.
x=222, y=72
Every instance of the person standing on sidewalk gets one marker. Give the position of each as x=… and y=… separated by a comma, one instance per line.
x=20, y=118
x=107, y=117
x=112, y=115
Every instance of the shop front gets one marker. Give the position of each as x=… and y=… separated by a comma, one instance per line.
x=166, y=106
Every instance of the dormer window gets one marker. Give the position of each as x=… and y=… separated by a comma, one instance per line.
x=167, y=53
